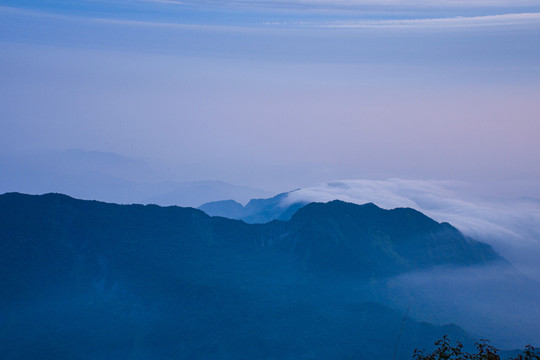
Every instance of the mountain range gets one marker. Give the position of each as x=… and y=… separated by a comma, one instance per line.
x=92, y=280
x=111, y=177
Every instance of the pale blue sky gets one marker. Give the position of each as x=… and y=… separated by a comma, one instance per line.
x=280, y=94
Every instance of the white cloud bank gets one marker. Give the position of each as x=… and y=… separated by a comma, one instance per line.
x=511, y=226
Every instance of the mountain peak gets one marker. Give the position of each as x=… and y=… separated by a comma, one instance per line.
x=341, y=236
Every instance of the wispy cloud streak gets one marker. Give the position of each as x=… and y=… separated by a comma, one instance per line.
x=453, y=22
x=351, y=3
x=337, y=22
x=458, y=21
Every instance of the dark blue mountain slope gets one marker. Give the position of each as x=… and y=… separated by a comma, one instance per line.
x=90, y=280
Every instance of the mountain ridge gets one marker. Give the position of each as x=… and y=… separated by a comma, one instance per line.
x=335, y=221
x=176, y=277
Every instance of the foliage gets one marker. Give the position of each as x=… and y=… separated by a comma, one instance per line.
x=446, y=351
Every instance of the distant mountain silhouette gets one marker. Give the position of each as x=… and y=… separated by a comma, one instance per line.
x=110, y=177
x=195, y=193
x=256, y=211
x=224, y=208
x=86, y=279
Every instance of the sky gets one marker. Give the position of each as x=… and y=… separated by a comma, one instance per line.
x=277, y=94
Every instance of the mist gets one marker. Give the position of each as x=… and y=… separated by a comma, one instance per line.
x=495, y=302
